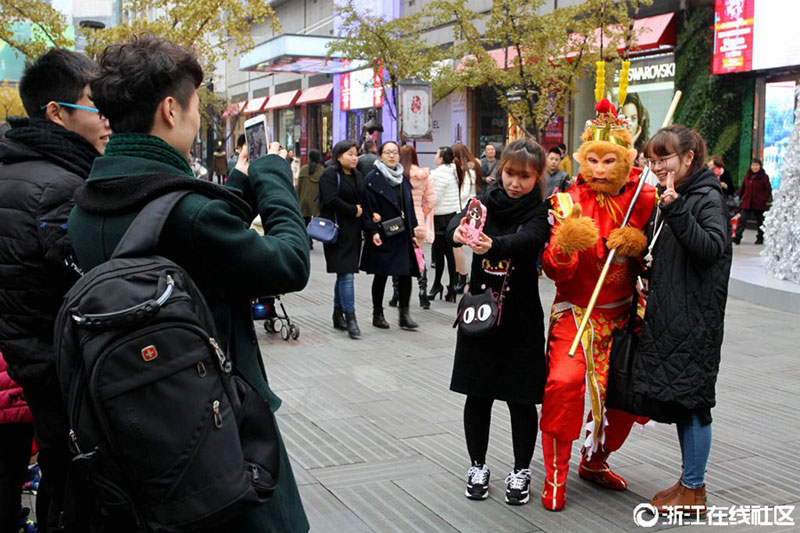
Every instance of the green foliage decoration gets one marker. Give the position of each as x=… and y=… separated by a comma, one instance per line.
x=716, y=106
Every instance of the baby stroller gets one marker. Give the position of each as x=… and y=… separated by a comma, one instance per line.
x=266, y=308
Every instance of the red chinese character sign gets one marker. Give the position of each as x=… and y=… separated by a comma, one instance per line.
x=415, y=100
x=733, y=36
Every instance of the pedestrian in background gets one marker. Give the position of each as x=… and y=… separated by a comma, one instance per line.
x=366, y=161
x=566, y=160
x=294, y=164
x=679, y=352
x=446, y=179
x=341, y=193
x=507, y=363
x=489, y=163
x=424, y=201
x=388, y=197
x=470, y=186
x=717, y=165
x=16, y=438
x=240, y=140
x=556, y=180
x=754, y=195
x=43, y=161
x=308, y=185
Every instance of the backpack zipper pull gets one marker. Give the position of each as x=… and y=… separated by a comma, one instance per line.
x=223, y=362
x=74, y=439
x=256, y=476
x=217, y=415
x=201, y=369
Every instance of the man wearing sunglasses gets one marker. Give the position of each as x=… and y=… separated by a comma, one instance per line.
x=43, y=159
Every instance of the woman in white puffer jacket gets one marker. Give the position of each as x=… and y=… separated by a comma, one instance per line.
x=447, y=179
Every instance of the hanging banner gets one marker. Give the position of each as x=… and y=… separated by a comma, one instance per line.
x=415, y=104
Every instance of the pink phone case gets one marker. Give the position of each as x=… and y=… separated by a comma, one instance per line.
x=475, y=219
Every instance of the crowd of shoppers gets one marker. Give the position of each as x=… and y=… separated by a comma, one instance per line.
x=69, y=190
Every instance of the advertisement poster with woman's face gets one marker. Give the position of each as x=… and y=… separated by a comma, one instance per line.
x=650, y=91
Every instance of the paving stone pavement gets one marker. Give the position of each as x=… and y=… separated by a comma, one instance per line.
x=376, y=436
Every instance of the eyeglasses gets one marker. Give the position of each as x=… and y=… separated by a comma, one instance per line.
x=390, y=152
x=660, y=162
x=74, y=106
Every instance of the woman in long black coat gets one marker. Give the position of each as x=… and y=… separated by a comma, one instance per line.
x=508, y=363
x=679, y=352
x=341, y=193
x=389, y=196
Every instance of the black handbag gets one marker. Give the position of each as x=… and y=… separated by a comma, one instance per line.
x=395, y=226
x=624, y=350
x=479, y=314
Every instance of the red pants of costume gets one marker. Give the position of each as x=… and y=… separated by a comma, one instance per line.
x=563, y=405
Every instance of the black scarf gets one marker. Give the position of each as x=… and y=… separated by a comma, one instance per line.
x=55, y=143
x=501, y=205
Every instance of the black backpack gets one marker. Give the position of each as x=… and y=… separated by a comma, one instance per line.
x=160, y=424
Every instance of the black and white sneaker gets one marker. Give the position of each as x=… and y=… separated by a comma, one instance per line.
x=518, y=484
x=477, y=482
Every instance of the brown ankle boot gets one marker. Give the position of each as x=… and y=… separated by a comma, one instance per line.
x=660, y=495
x=692, y=502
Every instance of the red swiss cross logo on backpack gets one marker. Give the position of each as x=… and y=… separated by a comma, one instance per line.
x=149, y=353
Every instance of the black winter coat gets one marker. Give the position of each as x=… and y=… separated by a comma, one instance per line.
x=37, y=182
x=395, y=256
x=342, y=257
x=509, y=362
x=679, y=351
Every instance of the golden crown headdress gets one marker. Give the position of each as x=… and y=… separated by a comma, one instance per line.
x=607, y=120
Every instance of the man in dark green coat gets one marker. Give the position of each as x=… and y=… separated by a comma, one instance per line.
x=152, y=106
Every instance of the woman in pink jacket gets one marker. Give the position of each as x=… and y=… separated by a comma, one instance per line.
x=16, y=434
x=424, y=199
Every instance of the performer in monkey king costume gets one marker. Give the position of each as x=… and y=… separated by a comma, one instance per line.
x=586, y=225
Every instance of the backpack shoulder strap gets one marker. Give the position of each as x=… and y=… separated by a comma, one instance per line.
x=141, y=237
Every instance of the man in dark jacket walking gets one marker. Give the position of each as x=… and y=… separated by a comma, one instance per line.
x=366, y=161
x=155, y=121
x=42, y=161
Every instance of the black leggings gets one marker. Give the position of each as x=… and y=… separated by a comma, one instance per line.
x=443, y=249
x=524, y=424
x=379, y=287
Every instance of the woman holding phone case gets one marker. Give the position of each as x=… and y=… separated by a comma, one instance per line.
x=506, y=363
x=341, y=193
x=389, y=222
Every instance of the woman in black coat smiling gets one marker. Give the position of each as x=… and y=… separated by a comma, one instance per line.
x=679, y=352
x=341, y=193
x=386, y=253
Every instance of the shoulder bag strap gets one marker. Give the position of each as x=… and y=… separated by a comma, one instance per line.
x=142, y=236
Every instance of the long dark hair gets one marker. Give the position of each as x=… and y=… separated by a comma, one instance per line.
x=408, y=158
x=314, y=159
x=446, y=153
x=340, y=148
x=643, y=117
x=677, y=139
x=463, y=157
x=526, y=153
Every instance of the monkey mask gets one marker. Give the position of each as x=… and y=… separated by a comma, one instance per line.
x=606, y=155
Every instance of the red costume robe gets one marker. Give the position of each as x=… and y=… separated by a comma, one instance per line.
x=575, y=276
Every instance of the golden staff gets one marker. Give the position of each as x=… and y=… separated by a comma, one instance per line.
x=613, y=253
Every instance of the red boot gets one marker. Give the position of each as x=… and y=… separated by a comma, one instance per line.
x=556, y=466
x=597, y=471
